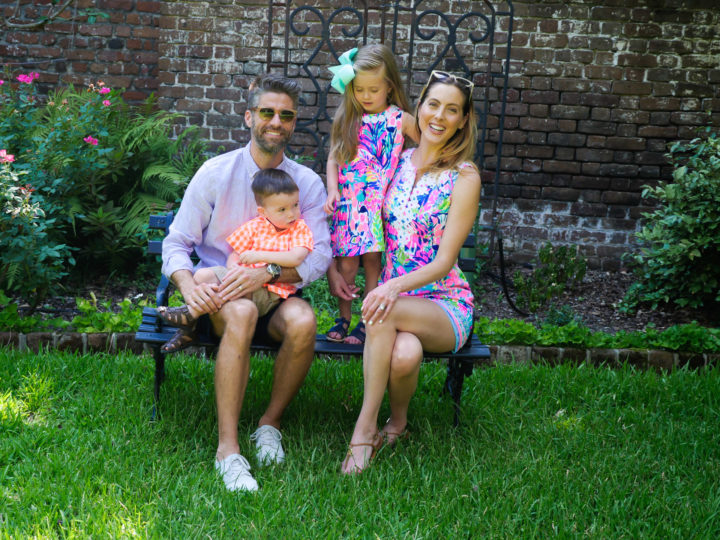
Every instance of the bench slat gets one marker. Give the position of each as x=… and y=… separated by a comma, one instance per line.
x=152, y=331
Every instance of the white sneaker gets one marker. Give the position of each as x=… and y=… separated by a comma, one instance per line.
x=267, y=442
x=235, y=472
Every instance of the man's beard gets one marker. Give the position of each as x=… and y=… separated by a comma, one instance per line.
x=267, y=147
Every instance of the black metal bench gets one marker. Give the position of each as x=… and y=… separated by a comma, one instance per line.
x=154, y=333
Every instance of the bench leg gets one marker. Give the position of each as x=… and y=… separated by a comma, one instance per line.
x=456, y=373
x=159, y=378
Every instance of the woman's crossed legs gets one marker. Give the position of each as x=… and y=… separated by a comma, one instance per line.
x=391, y=359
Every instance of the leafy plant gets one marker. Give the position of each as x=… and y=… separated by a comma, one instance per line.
x=679, y=262
x=30, y=258
x=92, y=319
x=561, y=315
x=12, y=321
x=558, y=268
x=686, y=337
x=98, y=167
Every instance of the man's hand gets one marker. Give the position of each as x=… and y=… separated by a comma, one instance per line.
x=204, y=298
x=338, y=286
x=240, y=281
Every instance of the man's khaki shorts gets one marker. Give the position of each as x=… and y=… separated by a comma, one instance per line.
x=263, y=299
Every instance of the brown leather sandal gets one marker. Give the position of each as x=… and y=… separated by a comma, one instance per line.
x=375, y=445
x=183, y=338
x=392, y=437
x=176, y=316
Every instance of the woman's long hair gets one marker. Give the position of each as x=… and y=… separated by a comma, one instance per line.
x=461, y=146
x=344, y=134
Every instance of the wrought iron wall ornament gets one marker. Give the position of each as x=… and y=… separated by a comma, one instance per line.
x=474, y=44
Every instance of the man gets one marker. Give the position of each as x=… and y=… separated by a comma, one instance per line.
x=219, y=199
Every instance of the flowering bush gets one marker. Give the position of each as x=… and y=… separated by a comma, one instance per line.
x=30, y=260
x=98, y=167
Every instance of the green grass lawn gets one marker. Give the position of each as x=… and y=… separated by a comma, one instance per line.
x=564, y=451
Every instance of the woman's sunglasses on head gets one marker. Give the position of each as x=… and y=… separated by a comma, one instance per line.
x=442, y=76
x=266, y=113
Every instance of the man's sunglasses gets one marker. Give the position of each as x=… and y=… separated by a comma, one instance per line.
x=266, y=113
x=441, y=76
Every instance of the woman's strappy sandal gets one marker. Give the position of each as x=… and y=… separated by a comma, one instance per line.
x=375, y=445
x=340, y=329
x=392, y=437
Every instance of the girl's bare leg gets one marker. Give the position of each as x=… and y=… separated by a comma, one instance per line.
x=371, y=264
x=348, y=268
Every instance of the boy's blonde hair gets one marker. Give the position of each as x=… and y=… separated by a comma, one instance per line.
x=344, y=134
x=461, y=146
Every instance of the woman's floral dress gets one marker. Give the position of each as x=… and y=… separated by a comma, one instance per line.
x=356, y=224
x=415, y=215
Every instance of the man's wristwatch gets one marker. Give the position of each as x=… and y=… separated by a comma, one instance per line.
x=274, y=271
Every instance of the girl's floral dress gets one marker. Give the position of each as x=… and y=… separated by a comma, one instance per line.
x=415, y=218
x=356, y=224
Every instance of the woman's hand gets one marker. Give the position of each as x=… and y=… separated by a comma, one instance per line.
x=379, y=302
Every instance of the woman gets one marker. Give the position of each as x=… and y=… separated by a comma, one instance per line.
x=424, y=301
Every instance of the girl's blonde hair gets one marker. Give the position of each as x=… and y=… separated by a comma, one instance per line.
x=344, y=134
x=461, y=146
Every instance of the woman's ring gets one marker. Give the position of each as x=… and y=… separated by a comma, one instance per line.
x=382, y=306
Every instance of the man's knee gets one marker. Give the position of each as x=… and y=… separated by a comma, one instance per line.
x=239, y=317
x=295, y=320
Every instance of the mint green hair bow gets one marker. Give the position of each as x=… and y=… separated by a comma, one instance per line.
x=344, y=72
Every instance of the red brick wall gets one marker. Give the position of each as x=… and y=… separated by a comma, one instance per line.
x=121, y=50
x=597, y=90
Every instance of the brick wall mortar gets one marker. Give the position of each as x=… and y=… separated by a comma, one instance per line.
x=596, y=93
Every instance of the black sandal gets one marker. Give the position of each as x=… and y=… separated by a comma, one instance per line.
x=174, y=316
x=182, y=339
x=358, y=333
x=341, y=329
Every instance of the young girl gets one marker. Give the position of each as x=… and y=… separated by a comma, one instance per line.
x=368, y=134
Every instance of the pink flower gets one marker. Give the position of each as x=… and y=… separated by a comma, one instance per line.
x=5, y=157
x=2, y=82
x=105, y=90
x=91, y=140
x=106, y=102
x=28, y=79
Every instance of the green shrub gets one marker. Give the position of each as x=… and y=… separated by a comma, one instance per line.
x=31, y=258
x=558, y=268
x=98, y=167
x=679, y=262
x=684, y=337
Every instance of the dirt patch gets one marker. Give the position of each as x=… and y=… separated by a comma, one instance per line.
x=594, y=302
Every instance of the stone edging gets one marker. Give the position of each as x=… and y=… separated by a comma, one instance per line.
x=641, y=358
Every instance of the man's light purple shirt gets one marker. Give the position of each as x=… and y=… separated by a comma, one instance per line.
x=219, y=199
